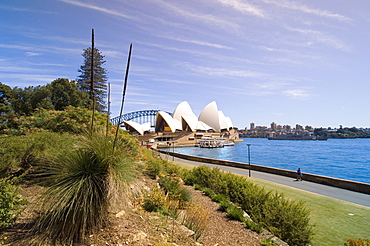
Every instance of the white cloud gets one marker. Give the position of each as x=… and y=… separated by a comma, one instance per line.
x=244, y=7
x=297, y=93
x=33, y=49
x=104, y=10
x=225, y=72
x=198, y=42
x=26, y=10
x=323, y=38
x=32, y=54
x=196, y=16
x=305, y=9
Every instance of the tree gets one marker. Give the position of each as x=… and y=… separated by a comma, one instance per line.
x=25, y=101
x=5, y=94
x=57, y=95
x=65, y=93
x=100, y=78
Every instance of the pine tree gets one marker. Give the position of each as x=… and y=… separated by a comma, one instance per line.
x=100, y=78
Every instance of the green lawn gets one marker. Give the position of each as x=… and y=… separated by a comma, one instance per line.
x=335, y=220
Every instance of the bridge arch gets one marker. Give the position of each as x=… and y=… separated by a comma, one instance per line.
x=140, y=117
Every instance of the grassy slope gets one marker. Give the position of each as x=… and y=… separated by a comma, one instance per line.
x=333, y=219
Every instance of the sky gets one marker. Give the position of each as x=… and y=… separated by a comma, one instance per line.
x=262, y=61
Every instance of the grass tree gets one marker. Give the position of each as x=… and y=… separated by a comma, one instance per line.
x=83, y=184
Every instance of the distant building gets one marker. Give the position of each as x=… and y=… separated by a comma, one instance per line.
x=308, y=128
x=273, y=126
x=252, y=126
x=287, y=128
x=298, y=127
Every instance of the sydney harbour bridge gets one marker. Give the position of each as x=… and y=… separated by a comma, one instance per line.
x=142, y=116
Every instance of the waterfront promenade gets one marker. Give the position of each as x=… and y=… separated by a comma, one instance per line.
x=329, y=191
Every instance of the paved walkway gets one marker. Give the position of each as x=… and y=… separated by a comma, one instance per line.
x=341, y=194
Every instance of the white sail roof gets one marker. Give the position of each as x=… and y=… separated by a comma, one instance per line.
x=134, y=126
x=183, y=119
x=183, y=109
x=164, y=119
x=210, y=116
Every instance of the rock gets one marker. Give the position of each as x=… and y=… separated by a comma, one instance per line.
x=186, y=231
x=139, y=236
x=120, y=214
x=246, y=215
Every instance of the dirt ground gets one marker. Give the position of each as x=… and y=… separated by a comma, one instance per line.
x=134, y=226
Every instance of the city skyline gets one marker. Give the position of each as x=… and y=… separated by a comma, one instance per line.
x=294, y=126
x=294, y=62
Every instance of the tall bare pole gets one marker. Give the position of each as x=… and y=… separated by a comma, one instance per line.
x=92, y=94
x=108, y=117
x=123, y=94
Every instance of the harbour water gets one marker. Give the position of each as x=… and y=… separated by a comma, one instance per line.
x=338, y=158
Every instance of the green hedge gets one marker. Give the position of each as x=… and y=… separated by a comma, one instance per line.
x=286, y=219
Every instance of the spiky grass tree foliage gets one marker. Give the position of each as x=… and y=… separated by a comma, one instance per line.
x=85, y=180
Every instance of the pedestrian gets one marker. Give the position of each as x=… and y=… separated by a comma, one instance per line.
x=299, y=175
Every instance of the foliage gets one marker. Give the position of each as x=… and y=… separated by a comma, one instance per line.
x=232, y=210
x=269, y=242
x=235, y=213
x=288, y=220
x=327, y=213
x=72, y=120
x=195, y=218
x=346, y=132
x=84, y=181
x=5, y=95
x=57, y=95
x=10, y=202
x=174, y=190
x=19, y=153
x=155, y=200
x=100, y=77
x=360, y=242
x=218, y=198
x=154, y=167
x=64, y=93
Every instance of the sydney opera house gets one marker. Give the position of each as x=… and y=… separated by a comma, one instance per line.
x=184, y=128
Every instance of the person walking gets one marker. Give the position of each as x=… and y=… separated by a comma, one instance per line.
x=299, y=174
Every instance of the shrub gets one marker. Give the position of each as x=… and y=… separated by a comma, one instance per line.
x=72, y=120
x=84, y=182
x=197, y=187
x=173, y=169
x=359, y=242
x=154, y=167
x=224, y=205
x=209, y=192
x=252, y=226
x=235, y=213
x=195, y=218
x=174, y=190
x=10, y=202
x=269, y=242
x=155, y=200
x=287, y=219
x=18, y=153
x=219, y=198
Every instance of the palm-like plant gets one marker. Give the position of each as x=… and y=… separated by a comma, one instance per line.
x=84, y=181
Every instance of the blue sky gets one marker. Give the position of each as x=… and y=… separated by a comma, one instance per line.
x=291, y=62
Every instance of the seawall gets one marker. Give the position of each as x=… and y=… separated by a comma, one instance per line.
x=339, y=183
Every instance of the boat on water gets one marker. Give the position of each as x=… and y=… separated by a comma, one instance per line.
x=297, y=137
x=211, y=142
